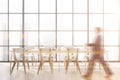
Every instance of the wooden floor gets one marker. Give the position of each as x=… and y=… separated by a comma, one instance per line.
x=59, y=73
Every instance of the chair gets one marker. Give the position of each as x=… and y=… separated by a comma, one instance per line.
x=87, y=54
x=72, y=56
x=45, y=55
x=30, y=53
x=19, y=56
x=61, y=53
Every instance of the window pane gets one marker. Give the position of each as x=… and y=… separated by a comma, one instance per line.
x=47, y=22
x=31, y=38
x=64, y=22
x=111, y=6
x=80, y=22
x=92, y=35
x=80, y=6
x=47, y=39
x=15, y=38
x=111, y=22
x=64, y=6
x=15, y=6
x=3, y=6
x=4, y=54
x=3, y=22
x=111, y=38
x=96, y=6
x=80, y=38
x=64, y=40
x=31, y=22
x=31, y=6
x=95, y=20
x=47, y=6
x=15, y=22
x=3, y=38
x=113, y=53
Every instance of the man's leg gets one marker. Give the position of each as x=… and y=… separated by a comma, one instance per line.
x=106, y=67
x=90, y=67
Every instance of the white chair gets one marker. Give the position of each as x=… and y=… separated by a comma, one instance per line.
x=72, y=57
x=30, y=54
x=45, y=55
x=87, y=54
x=19, y=56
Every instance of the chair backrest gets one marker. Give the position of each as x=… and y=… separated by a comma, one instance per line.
x=73, y=53
x=29, y=47
x=45, y=53
x=18, y=53
x=45, y=50
x=73, y=50
x=62, y=50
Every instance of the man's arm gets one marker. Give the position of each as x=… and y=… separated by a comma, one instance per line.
x=91, y=44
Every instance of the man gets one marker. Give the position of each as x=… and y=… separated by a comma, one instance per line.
x=97, y=51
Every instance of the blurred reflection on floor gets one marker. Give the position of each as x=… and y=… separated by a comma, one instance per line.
x=45, y=74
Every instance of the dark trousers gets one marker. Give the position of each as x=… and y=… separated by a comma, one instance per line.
x=100, y=58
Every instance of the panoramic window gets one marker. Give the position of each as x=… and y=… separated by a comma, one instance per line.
x=58, y=23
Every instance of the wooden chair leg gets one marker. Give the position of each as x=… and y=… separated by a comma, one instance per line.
x=28, y=65
x=12, y=67
x=24, y=66
x=51, y=65
x=66, y=67
x=17, y=66
x=77, y=65
x=32, y=60
x=40, y=66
